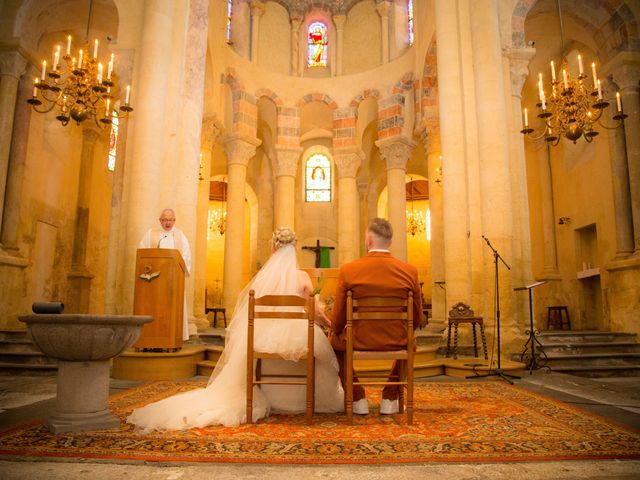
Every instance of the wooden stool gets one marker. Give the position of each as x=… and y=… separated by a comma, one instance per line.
x=461, y=313
x=215, y=311
x=557, y=317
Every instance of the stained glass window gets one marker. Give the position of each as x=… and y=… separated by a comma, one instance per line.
x=317, y=44
x=229, y=11
x=113, y=141
x=318, y=178
x=410, y=20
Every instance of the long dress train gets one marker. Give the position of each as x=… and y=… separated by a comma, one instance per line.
x=223, y=401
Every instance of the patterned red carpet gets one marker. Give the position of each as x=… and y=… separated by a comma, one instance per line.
x=455, y=422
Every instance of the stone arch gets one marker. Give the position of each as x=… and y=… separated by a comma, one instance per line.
x=369, y=93
x=430, y=113
x=317, y=97
x=267, y=92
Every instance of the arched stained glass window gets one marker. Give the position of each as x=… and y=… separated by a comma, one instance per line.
x=410, y=20
x=229, y=12
x=318, y=178
x=317, y=45
x=113, y=141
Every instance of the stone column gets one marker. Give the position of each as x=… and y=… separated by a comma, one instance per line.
x=347, y=160
x=550, y=260
x=15, y=174
x=296, y=21
x=257, y=10
x=339, y=21
x=12, y=67
x=383, y=9
x=396, y=151
x=286, y=166
x=79, y=277
x=239, y=149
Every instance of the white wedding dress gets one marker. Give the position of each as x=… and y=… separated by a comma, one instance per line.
x=223, y=401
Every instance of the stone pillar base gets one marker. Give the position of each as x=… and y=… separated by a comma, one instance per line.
x=12, y=293
x=79, y=422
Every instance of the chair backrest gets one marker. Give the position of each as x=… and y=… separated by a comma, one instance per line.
x=461, y=310
x=281, y=307
x=387, y=315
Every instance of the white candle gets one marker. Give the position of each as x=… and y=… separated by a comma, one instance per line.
x=80, y=59
x=599, y=90
x=544, y=105
x=126, y=97
x=35, y=87
x=69, y=45
x=580, y=67
x=526, y=119
x=595, y=78
x=100, y=72
x=619, y=102
x=107, y=110
x=56, y=58
x=95, y=49
x=44, y=69
x=564, y=79
x=110, y=69
x=553, y=72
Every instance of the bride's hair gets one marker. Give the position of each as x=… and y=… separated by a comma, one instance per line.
x=283, y=236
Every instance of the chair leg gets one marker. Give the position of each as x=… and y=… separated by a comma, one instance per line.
x=250, y=400
x=409, y=394
x=310, y=392
x=455, y=341
x=348, y=372
x=475, y=340
x=402, y=374
x=448, y=341
x=484, y=342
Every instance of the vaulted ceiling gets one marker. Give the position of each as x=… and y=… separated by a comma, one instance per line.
x=300, y=7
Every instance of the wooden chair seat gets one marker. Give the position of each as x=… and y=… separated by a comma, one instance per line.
x=380, y=309
x=461, y=314
x=280, y=307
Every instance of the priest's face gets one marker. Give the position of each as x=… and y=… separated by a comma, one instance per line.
x=167, y=219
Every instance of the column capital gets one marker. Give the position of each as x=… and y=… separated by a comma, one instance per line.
x=239, y=148
x=287, y=159
x=383, y=8
x=257, y=8
x=339, y=20
x=296, y=21
x=348, y=161
x=212, y=128
x=396, y=151
x=625, y=69
x=13, y=64
x=90, y=134
x=519, y=59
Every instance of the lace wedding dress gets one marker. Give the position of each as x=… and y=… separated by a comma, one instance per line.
x=223, y=401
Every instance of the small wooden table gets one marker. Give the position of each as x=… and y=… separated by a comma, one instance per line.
x=215, y=311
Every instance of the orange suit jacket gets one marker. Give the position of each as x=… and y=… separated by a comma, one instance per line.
x=376, y=274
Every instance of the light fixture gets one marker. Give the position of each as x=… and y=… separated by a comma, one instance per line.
x=416, y=222
x=574, y=106
x=79, y=87
x=200, y=177
x=217, y=218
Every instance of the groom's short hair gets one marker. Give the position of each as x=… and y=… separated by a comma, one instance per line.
x=381, y=228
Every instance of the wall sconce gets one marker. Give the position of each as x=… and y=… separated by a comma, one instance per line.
x=200, y=177
x=564, y=221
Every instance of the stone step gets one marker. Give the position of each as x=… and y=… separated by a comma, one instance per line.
x=14, y=335
x=554, y=360
x=8, y=368
x=26, y=358
x=601, y=371
x=591, y=347
x=568, y=336
x=212, y=336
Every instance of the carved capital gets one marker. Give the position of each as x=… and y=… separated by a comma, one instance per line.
x=396, y=151
x=90, y=135
x=12, y=64
x=348, y=161
x=287, y=159
x=624, y=69
x=339, y=20
x=296, y=21
x=383, y=8
x=211, y=129
x=257, y=8
x=519, y=59
x=239, y=148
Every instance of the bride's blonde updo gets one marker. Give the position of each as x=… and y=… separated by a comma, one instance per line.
x=283, y=236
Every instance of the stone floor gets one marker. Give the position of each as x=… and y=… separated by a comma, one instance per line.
x=23, y=398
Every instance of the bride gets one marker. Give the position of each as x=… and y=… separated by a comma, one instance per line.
x=223, y=401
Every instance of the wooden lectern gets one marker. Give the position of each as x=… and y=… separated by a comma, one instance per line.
x=159, y=292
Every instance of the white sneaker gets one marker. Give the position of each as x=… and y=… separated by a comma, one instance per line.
x=389, y=407
x=361, y=407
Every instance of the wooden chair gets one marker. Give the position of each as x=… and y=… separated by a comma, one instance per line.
x=216, y=310
x=280, y=307
x=371, y=310
x=461, y=313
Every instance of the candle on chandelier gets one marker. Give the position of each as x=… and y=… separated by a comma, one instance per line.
x=599, y=90
x=68, y=45
x=107, y=111
x=44, y=69
x=35, y=87
x=544, y=105
x=553, y=72
x=110, y=67
x=100, y=72
x=526, y=119
x=619, y=102
x=580, y=67
x=80, y=60
x=56, y=58
x=564, y=79
x=95, y=49
x=595, y=77
x=126, y=97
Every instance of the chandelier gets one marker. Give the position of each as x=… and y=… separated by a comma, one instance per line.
x=217, y=218
x=416, y=222
x=79, y=87
x=575, y=105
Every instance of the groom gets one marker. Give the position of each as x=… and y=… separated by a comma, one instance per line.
x=376, y=274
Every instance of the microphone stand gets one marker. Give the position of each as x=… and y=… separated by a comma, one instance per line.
x=498, y=371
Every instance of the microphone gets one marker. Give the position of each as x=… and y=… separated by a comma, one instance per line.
x=439, y=283
x=158, y=246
